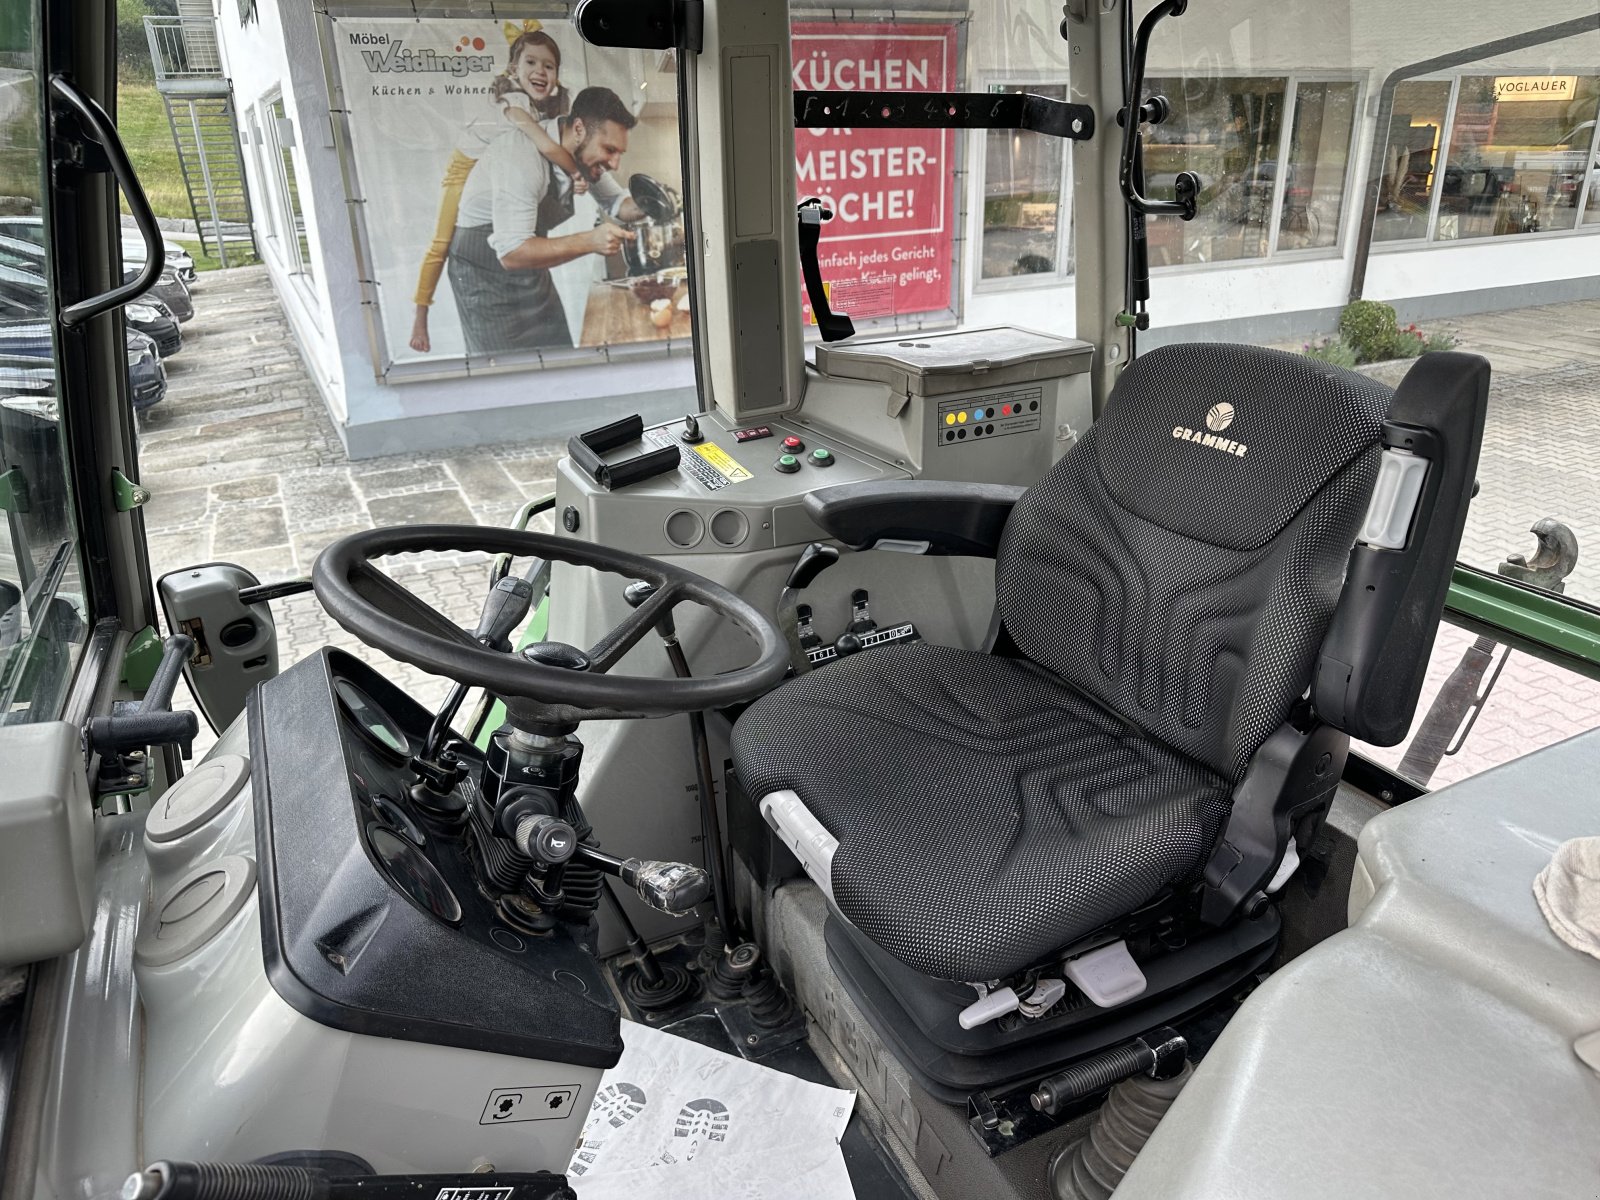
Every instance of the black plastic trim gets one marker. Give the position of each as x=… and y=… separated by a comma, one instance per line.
x=1375, y=653
x=1182, y=983
x=526, y=1041
x=952, y=518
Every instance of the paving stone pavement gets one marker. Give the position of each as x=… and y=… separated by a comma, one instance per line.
x=244, y=465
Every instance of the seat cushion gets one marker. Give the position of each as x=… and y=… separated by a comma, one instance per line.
x=987, y=814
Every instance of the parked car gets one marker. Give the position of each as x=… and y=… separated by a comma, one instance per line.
x=31, y=229
x=168, y=289
x=27, y=365
x=147, y=375
x=174, y=256
x=154, y=319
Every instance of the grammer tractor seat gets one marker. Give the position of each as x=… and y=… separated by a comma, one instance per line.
x=1070, y=838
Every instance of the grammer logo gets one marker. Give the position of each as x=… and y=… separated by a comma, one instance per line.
x=1218, y=417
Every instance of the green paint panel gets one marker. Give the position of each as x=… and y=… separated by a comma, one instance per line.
x=1527, y=613
x=143, y=657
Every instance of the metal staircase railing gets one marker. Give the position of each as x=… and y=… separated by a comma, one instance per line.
x=205, y=130
x=183, y=49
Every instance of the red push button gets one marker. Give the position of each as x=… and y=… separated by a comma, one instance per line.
x=793, y=444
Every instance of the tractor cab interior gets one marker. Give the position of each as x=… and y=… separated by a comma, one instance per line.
x=957, y=715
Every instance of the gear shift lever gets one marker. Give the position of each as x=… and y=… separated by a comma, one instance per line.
x=670, y=887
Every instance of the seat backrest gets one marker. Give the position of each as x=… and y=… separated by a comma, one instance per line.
x=1181, y=562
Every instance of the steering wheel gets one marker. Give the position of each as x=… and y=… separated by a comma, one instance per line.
x=387, y=617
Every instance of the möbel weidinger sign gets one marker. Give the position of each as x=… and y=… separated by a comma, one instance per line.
x=890, y=249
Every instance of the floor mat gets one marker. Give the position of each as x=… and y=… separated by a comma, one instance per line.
x=674, y=1117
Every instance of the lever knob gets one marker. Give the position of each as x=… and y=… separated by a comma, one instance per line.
x=671, y=887
x=636, y=593
x=813, y=561
x=545, y=839
x=556, y=654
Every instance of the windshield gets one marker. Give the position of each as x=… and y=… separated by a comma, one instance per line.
x=1436, y=162
x=43, y=619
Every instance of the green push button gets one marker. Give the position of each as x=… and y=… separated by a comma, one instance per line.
x=822, y=457
x=788, y=464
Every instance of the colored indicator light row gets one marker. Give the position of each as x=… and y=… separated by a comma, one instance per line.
x=987, y=414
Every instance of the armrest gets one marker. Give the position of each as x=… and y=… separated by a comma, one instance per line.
x=1375, y=653
x=952, y=518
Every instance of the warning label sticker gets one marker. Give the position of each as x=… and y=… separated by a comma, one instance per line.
x=722, y=462
x=712, y=467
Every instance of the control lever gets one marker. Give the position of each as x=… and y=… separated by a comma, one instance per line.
x=551, y=842
x=863, y=631
x=670, y=887
x=637, y=593
x=813, y=561
x=705, y=780
x=504, y=609
x=122, y=738
x=809, y=638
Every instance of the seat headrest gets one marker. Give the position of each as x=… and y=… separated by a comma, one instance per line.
x=1227, y=443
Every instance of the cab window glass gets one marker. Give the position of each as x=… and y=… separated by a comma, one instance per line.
x=1026, y=198
x=1410, y=160
x=1518, y=157
x=1318, y=163
x=1460, y=213
x=43, y=613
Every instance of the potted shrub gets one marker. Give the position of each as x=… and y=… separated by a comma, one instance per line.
x=1372, y=341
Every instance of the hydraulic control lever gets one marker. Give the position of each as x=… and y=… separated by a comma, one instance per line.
x=122, y=738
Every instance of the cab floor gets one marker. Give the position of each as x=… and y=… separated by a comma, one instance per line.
x=873, y=1174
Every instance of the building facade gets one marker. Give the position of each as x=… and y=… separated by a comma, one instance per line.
x=1440, y=157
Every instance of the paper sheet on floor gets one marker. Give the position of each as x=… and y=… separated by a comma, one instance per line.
x=674, y=1118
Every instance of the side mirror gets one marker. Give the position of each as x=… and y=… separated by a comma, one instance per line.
x=235, y=643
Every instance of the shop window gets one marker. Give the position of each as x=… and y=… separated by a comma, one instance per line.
x=1229, y=132
x=1026, y=224
x=266, y=206
x=1520, y=154
x=1411, y=160
x=280, y=146
x=1319, y=161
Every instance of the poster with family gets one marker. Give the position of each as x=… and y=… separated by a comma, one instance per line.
x=521, y=190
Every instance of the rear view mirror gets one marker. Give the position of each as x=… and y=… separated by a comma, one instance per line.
x=235, y=644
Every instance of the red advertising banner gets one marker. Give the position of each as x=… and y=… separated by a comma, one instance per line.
x=890, y=248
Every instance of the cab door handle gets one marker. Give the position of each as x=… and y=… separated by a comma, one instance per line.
x=95, y=119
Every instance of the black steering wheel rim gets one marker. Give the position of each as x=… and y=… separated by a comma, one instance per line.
x=349, y=587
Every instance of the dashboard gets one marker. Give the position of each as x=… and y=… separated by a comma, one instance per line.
x=375, y=915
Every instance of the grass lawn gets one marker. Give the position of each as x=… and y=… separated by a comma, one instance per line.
x=142, y=122
x=147, y=135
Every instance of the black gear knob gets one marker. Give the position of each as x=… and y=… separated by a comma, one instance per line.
x=637, y=593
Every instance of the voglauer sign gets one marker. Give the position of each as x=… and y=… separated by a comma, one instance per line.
x=469, y=149
x=890, y=249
